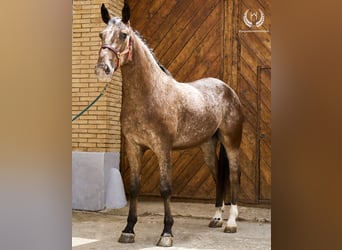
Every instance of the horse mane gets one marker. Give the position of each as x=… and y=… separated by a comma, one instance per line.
x=161, y=66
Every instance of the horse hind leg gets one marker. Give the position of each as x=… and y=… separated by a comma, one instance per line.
x=209, y=153
x=232, y=150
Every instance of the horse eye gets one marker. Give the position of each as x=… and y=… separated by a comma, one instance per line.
x=123, y=35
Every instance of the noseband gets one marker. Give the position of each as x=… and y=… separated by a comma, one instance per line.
x=118, y=54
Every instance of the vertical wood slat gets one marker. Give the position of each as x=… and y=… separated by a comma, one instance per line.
x=255, y=92
x=264, y=128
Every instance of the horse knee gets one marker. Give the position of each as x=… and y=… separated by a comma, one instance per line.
x=165, y=193
x=235, y=174
x=165, y=190
x=134, y=189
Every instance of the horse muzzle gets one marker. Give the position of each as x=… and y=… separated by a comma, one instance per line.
x=104, y=72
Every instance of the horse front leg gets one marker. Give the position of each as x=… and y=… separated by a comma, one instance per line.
x=166, y=238
x=134, y=154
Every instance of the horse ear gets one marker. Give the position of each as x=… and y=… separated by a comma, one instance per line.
x=105, y=14
x=126, y=13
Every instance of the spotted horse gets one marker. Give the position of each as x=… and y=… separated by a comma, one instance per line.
x=162, y=114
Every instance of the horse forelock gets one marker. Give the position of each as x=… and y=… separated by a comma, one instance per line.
x=115, y=20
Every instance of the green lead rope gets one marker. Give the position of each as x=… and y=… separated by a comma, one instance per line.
x=91, y=104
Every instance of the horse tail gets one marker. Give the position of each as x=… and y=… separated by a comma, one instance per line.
x=223, y=178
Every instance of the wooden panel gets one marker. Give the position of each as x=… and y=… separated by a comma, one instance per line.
x=265, y=134
x=254, y=88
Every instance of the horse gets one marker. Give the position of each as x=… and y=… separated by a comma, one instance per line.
x=162, y=114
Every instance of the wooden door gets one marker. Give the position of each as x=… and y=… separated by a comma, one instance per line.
x=196, y=39
x=254, y=89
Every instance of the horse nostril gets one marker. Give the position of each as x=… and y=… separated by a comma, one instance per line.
x=106, y=69
x=102, y=67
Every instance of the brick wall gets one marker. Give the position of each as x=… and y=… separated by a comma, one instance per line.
x=97, y=130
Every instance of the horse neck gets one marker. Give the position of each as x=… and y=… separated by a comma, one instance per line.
x=141, y=75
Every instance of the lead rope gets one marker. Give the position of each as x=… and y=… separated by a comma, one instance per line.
x=91, y=104
x=118, y=55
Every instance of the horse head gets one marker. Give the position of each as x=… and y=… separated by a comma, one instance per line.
x=116, y=48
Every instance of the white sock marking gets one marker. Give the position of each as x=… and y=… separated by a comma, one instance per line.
x=218, y=213
x=233, y=214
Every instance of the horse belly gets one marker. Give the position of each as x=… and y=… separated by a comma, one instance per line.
x=194, y=132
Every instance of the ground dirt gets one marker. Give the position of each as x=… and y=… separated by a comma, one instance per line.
x=101, y=230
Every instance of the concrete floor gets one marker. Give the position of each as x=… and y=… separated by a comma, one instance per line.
x=101, y=230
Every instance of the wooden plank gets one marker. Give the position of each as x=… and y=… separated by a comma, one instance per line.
x=265, y=140
x=248, y=64
x=198, y=46
x=201, y=61
x=152, y=25
x=194, y=187
x=209, y=69
x=248, y=97
x=183, y=18
x=171, y=53
x=248, y=142
x=189, y=164
x=132, y=3
x=265, y=130
x=253, y=41
x=265, y=96
x=149, y=172
x=247, y=188
x=208, y=186
x=139, y=15
x=265, y=115
x=266, y=6
x=249, y=74
x=143, y=14
x=231, y=43
x=265, y=173
x=156, y=36
x=181, y=166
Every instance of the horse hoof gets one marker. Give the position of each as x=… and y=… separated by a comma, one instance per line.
x=230, y=229
x=126, y=238
x=215, y=223
x=165, y=241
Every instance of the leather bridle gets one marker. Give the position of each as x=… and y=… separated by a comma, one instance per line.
x=118, y=53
